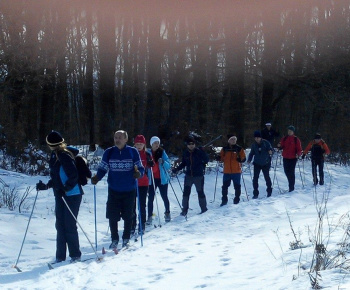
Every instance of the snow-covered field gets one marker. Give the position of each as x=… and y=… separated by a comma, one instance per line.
x=244, y=246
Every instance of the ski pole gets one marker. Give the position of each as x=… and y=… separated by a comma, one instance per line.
x=216, y=179
x=246, y=193
x=179, y=183
x=172, y=187
x=25, y=234
x=139, y=207
x=155, y=195
x=212, y=141
x=274, y=172
x=95, y=217
x=97, y=257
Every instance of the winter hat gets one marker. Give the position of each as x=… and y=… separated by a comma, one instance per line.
x=317, y=136
x=257, y=134
x=54, y=138
x=292, y=128
x=268, y=124
x=140, y=139
x=154, y=139
x=190, y=139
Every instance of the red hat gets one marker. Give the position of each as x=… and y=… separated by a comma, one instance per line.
x=140, y=139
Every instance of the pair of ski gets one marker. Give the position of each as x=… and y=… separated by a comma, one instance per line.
x=52, y=265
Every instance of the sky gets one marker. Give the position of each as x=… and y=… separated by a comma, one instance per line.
x=243, y=246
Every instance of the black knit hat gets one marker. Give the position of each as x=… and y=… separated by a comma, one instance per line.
x=190, y=139
x=257, y=134
x=317, y=136
x=54, y=138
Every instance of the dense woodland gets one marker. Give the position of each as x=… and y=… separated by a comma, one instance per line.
x=87, y=68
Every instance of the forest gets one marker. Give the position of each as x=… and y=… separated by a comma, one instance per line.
x=88, y=68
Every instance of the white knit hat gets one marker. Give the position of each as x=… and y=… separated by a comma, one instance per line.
x=154, y=139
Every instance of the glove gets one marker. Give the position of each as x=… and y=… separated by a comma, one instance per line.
x=174, y=170
x=160, y=161
x=136, y=173
x=150, y=163
x=41, y=186
x=303, y=156
x=218, y=158
x=94, y=180
x=239, y=159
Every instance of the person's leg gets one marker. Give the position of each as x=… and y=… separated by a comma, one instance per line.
x=237, y=185
x=266, y=173
x=61, y=245
x=113, y=208
x=186, y=195
x=143, y=196
x=320, y=169
x=71, y=230
x=199, y=184
x=151, y=194
x=257, y=169
x=163, y=189
x=314, y=171
x=127, y=204
x=226, y=181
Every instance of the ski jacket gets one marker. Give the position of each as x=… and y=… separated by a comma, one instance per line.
x=260, y=152
x=144, y=180
x=160, y=168
x=63, y=173
x=318, y=150
x=120, y=167
x=269, y=135
x=194, y=161
x=291, y=146
x=232, y=156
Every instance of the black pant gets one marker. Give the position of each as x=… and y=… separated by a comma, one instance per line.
x=67, y=232
x=163, y=189
x=265, y=169
x=198, y=182
x=143, y=196
x=289, y=170
x=120, y=205
x=320, y=164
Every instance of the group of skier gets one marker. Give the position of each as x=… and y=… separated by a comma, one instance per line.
x=138, y=172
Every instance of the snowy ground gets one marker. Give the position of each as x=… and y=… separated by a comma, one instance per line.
x=244, y=246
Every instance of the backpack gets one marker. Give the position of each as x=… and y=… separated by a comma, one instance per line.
x=82, y=166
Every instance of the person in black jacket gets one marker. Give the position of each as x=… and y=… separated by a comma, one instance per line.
x=194, y=159
x=269, y=133
x=64, y=182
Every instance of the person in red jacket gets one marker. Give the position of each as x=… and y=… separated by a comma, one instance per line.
x=147, y=162
x=318, y=149
x=292, y=150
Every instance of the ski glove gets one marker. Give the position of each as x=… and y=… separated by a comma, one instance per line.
x=41, y=186
x=303, y=156
x=94, y=180
x=174, y=170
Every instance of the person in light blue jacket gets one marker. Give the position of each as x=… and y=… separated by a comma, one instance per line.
x=64, y=182
x=159, y=174
x=261, y=150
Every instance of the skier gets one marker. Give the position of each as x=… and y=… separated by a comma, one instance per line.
x=123, y=165
x=160, y=176
x=64, y=181
x=261, y=150
x=147, y=162
x=318, y=149
x=269, y=133
x=195, y=160
x=291, y=146
x=233, y=156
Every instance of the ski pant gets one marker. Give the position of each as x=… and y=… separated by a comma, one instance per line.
x=198, y=182
x=289, y=170
x=265, y=170
x=163, y=189
x=67, y=232
x=320, y=164
x=226, y=182
x=120, y=205
x=143, y=196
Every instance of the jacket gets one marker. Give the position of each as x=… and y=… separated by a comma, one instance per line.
x=229, y=155
x=163, y=168
x=318, y=150
x=64, y=174
x=120, y=167
x=291, y=146
x=194, y=161
x=269, y=135
x=144, y=180
x=261, y=153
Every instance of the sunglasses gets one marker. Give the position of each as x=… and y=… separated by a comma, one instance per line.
x=191, y=143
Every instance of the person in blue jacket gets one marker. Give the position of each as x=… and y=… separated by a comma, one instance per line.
x=195, y=160
x=124, y=166
x=261, y=150
x=64, y=182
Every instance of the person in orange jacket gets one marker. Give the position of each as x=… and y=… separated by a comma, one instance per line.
x=318, y=149
x=292, y=150
x=233, y=156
